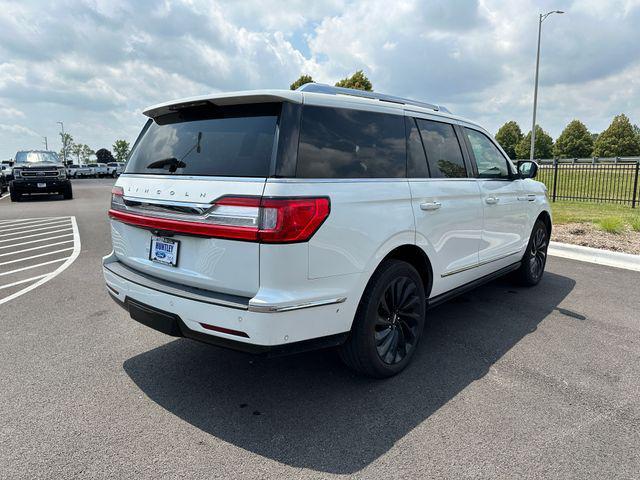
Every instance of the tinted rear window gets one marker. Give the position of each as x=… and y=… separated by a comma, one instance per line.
x=443, y=150
x=343, y=143
x=218, y=141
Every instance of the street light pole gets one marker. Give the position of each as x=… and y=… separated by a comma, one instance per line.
x=541, y=19
x=46, y=145
x=64, y=150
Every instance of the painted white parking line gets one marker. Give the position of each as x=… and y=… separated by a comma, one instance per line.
x=48, y=245
x=25, y=221
x=11, y=272
x=58, y=225
x=36, y=281
x=4, y=196
x=41, y=240
x=37, y=235
x=19, y=282
x=28, y=227
x=35, y=256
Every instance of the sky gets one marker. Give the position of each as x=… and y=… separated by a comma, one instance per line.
x=95, y=65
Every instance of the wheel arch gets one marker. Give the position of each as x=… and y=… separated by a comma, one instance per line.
x=416, y=257
x=546, y=219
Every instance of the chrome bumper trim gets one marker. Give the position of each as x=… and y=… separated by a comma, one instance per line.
x=266, y=308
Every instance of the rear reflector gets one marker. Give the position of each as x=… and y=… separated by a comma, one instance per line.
x=228, y=331
x=253, y=219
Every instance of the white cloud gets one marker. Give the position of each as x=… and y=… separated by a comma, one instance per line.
x=96, y=64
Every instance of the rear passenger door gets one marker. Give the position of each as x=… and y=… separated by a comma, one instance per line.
x=445, y=202
x=503, y=200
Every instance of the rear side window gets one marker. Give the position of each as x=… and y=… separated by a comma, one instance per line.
x=344, y=143
x=416, y=159
x=443, y=150
x=491, y=163
x=232, y=141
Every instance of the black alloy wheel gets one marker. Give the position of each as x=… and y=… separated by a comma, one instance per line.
x=538, y=253
x=389, y=321
x=397, y=325
x=535, y=257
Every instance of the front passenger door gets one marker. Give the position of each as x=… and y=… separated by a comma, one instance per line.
x=505, y=212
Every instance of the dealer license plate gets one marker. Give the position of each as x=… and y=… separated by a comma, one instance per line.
x=164, y=250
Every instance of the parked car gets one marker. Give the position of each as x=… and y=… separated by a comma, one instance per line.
x=39, y=171
x=99, y=169
x=277, y=221
x=4, y=183
x=115, y=168
x=7, y=171
x=75, y=171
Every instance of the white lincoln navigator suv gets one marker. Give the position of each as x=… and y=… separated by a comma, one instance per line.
x=278, y=221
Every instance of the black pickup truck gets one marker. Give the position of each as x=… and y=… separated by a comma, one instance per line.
x=39, y=171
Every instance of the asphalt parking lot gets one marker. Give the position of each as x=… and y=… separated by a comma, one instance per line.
x=508, y=382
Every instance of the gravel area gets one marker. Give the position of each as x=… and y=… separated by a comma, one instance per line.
x=589, y=235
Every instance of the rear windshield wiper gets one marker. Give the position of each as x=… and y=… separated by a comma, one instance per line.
x=172, y=163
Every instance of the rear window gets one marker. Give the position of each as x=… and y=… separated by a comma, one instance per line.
x=233, y=141
x=443, y=150
x=343, y=143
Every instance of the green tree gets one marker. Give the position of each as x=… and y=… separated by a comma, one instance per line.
x=543, y=147
x=618, y=140
x=104, y=156
x=301, y=81
x=358, y=81
x=121, y=150
x=575, y=141
x=67, y=141
x=76, y=150
x=85, y=153
x=508, y=137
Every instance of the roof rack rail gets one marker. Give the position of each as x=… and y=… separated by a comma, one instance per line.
x=328, y=89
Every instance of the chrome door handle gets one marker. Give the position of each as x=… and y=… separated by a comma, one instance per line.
x=491, y=200
x=531, y=197
x=430, y=206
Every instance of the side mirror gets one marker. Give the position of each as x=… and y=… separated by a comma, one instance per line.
x=527, y=169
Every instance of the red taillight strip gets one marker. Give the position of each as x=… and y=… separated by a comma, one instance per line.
x=228, y=331
x=189, y=228
x=296, y=219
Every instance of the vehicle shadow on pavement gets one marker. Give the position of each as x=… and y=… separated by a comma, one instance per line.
x=309, y=411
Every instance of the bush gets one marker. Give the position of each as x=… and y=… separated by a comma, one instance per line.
x=635, y=224
x=612, y=224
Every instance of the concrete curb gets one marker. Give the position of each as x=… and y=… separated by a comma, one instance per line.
x=595, y=255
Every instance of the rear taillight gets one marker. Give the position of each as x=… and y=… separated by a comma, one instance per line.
x=255, y=219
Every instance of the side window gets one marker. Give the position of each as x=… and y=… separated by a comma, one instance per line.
x=443, y=150
x=491, y=163
x=344, y=143
x=416, y=159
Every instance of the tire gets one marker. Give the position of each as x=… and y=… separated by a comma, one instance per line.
x=68, y=193
x=535, y=257
x=15, y=196
x=388, y=322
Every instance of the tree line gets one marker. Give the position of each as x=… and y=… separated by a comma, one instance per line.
x=81, y=153
x=620, y=139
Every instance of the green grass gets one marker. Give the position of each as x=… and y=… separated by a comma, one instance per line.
x=609, y=217
x=586, y=212
x=612, y=224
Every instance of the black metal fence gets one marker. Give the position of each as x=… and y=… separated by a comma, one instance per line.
x=593, y=180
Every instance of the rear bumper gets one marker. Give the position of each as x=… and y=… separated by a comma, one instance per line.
x=220, y=319
x=31, y=186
